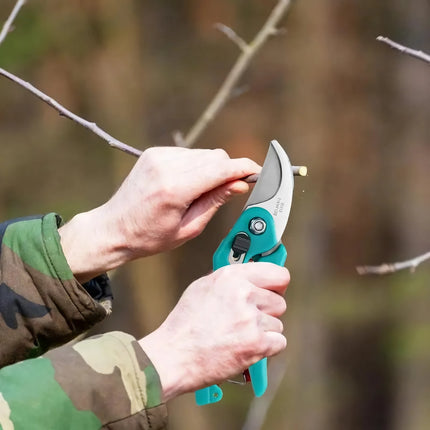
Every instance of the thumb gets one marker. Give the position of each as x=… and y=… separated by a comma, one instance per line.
x=204, y=208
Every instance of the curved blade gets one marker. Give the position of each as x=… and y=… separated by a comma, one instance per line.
x=274, y=188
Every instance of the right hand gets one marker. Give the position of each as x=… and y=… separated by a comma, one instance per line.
x=223, y=323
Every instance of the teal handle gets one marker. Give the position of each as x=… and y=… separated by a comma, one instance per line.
x=259, y=245
x=208, y=395
x=258, y=371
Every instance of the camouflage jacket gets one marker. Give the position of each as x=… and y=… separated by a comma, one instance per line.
x=104, y=382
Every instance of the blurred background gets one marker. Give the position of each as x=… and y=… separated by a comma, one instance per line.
x=353, y=110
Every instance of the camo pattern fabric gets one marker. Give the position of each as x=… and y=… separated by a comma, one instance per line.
x=41, y=304
x=104, y=382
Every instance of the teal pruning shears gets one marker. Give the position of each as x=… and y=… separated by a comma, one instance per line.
x=256, y=236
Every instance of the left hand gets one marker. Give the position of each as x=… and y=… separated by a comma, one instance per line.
x=168, y=198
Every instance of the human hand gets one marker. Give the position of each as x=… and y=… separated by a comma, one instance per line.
x=168, y=198
x=172, y=193
x=223, y=323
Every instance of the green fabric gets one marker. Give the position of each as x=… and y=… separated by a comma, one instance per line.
x=153, y=386
x=43, y=403
x=37, y=243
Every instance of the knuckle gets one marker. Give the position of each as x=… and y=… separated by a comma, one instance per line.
x=221, y=153
x=254, y=339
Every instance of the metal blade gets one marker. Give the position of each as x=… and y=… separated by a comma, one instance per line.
x=274, y=188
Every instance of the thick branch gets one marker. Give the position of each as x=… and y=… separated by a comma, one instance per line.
x=412, y=52
x=385, y=268
x=224, y=93
x=115, y=143
x=7, y=27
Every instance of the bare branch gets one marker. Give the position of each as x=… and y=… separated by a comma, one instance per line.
x=223, y=95
x=115, y=143
x=232, y=35
x=112, y=141
x=297, y=171
x=226, y=91
x=412, y=52
x=7, y=27
x=385, y=268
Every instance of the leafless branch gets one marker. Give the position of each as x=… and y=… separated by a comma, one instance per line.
x=385, y=268
x=115, y=143
x=92, y=126
x=224, y=93
x=248, y=51
x=7, y=27
x=412, y=52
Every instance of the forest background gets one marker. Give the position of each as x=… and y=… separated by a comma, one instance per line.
x=351, y=109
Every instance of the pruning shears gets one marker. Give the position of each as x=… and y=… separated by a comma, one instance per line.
x=256, y=236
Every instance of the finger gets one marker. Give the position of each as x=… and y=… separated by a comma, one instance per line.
x=276, y=342
x=269, y=302
x=271, y=324
x=217, y=170
x=204, y=208
x=268, y=276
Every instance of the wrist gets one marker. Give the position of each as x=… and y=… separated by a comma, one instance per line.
x=175, y=372
x=91, y=244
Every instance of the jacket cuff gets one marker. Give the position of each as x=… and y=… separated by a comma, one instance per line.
x=55, y=307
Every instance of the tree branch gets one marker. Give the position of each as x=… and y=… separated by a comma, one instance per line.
x=404, y=49
x=92, y=126
x=385, y=268
x=224, y=93
x=7, y=27
x=248, y=51
x=115, y=143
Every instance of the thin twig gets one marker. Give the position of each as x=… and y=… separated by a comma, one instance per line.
x=92, y=126
x=412, y=52
x=223, y=94
x=115, y=143
x=7, y=27
x=385, y=268
x=232, y=35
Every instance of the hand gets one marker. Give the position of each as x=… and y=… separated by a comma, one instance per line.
x=168, y=198
x=172, y=193
x=223, y=323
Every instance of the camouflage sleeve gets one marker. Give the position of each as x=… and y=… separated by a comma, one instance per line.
x=104, y=382
x=41, y=303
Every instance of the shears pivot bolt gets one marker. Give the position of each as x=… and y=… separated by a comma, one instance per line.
x=257, y=225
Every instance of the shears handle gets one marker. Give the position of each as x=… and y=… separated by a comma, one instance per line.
x=257, y=371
